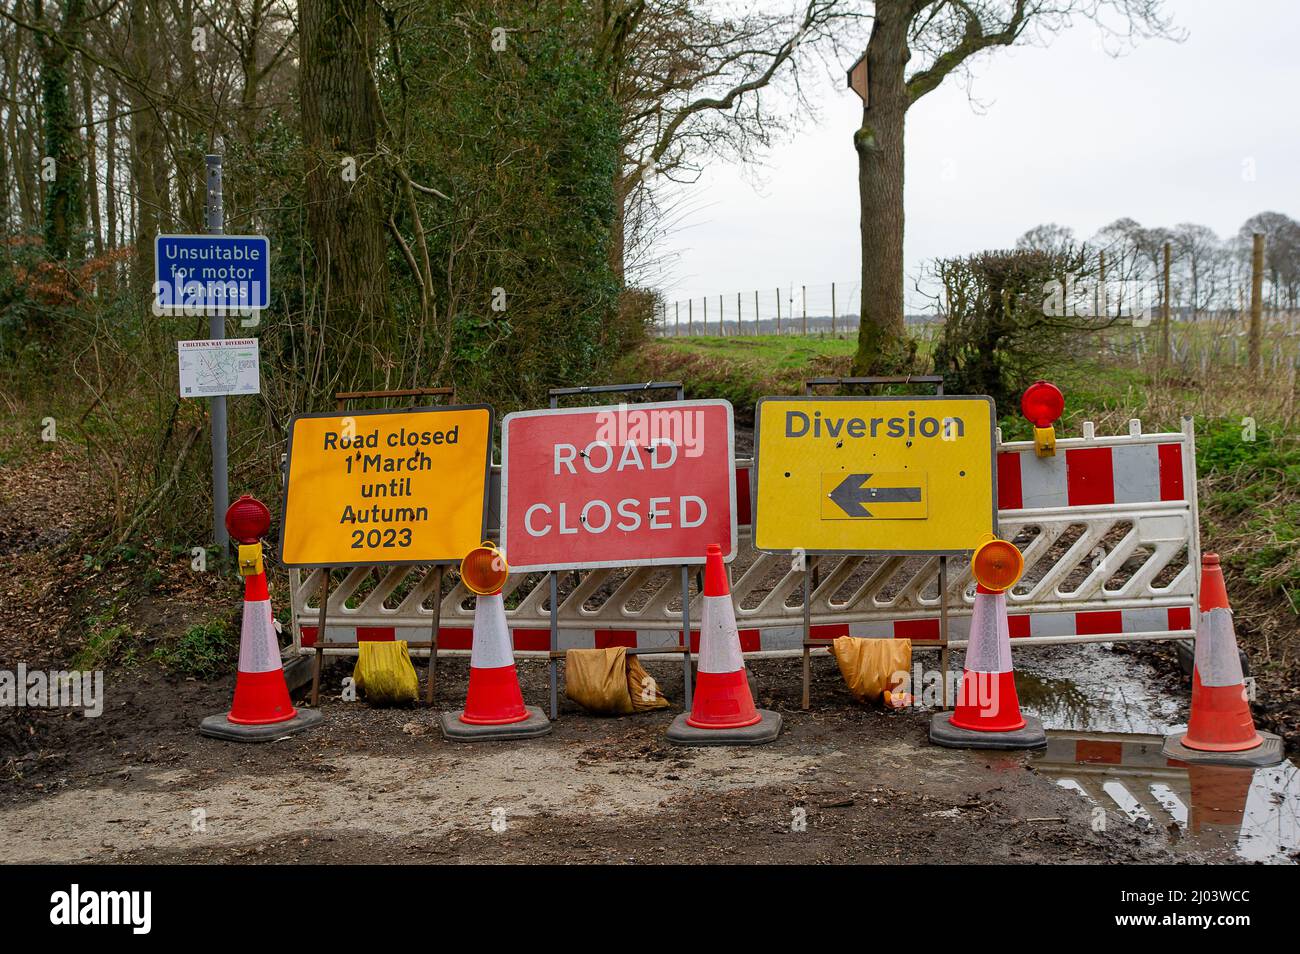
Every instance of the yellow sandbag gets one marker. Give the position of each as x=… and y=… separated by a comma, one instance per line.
x=384, y=674
x=643, y=688
x=869, y=665
x=596, y=679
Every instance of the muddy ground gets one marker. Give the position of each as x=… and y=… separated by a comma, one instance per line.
x=140, y=785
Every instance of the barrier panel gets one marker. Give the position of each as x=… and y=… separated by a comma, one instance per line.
x=1108, y=527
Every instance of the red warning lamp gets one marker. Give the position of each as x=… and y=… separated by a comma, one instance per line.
x=1042, y=404
x=248, y=519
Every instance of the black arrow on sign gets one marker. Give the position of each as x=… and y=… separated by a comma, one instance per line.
x=852, y=496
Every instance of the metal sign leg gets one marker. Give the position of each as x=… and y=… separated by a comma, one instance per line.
x=686, y=633
x=807, y=635
x=433, y=635
x=943, y=626
x=320, y=636
x=555, y=647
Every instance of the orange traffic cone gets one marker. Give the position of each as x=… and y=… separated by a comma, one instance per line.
x=494, y=697
x=723, y=711
x=261, y=709
x=987, y=715
x=1220, y=728
x=494, y=704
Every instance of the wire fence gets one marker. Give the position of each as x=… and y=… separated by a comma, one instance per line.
x=1197, y=341
x=826, y=309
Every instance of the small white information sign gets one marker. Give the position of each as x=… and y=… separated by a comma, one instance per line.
x=224, y=366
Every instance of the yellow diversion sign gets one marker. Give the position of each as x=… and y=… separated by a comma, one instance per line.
x=391, y=486
x=873, y=475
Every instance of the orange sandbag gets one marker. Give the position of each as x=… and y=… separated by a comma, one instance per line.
x=642, y=688
x=870, y=666
x=610, y=682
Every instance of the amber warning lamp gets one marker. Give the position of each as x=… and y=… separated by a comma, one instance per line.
x=248, y=520
x=997, y=564
x=1042, y=404
x=484, y=569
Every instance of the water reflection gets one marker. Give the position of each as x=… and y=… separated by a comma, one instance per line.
x=1253, y=814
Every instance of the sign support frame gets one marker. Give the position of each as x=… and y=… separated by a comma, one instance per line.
x=810, y=570
x=341, y=400
x=553, y=397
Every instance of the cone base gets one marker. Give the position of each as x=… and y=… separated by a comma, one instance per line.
x=1268, y=752
x=220, y=727
x=455, y=729
x=765, y=730
x=943, y=732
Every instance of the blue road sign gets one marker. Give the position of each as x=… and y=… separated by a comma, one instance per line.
x=210, y=273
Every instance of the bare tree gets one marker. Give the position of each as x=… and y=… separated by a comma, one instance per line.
x=1195, y=247
x=1048, y=237
x=687, y=80
x=915, y=45
x=1281, y=253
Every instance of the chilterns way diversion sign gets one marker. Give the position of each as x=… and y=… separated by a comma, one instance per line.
x=873, y=475
x=395, y=486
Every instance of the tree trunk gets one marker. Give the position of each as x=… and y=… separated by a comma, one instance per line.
x=146, y=149
x=64, y=199
x=879, y=144
x=345, y=220
x=92, y=158
x=110, y=166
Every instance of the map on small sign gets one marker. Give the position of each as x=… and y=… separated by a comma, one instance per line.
x=873, y=475
x=211, y=368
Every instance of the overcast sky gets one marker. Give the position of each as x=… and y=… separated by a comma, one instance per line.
x=1205, y=130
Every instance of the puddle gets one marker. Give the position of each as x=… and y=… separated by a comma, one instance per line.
x=1253, y=814
x=1107, y=714
x=1092, y=688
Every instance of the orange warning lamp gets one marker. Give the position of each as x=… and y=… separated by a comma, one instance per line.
x=484, y=569
x=997, y=564
x=1042, y=404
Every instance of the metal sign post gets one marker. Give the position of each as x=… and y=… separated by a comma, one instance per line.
x=216, y=225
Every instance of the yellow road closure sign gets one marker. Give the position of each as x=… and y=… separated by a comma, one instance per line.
x=874, y=475
x=392, y=486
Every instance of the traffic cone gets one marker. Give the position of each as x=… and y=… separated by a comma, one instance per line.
x=723, y=711
x=1220, y=728
x=261, y=710
x=494, y=704
x=987, y=714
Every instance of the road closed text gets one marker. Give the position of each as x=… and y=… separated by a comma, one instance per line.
x=626, y=514
x=578, y=492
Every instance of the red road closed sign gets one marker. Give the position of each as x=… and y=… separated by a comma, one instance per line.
x=625, y=485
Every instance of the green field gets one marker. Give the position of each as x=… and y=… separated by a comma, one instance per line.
x=772, y=351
